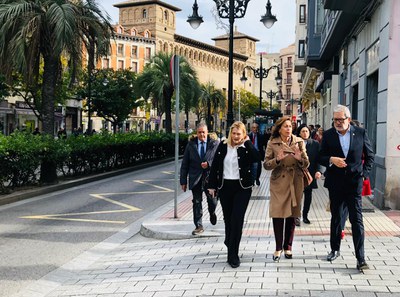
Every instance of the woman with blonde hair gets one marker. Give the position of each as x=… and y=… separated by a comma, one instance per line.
x=285, y=156
x=231, y=175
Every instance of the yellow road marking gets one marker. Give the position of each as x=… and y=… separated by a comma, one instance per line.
x=128, y=208
x=158, y=187
x=53, y=217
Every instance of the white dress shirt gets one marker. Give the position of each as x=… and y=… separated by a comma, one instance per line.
x=231, y=164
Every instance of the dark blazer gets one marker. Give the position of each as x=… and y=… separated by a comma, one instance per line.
x=247, y=155
x=312, y=147
x=350, y=177
x=191, y=161
x=261, y=144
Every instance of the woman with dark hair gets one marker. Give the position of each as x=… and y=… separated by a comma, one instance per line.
x=312, y=147
x=285, y=156
x=231, y=175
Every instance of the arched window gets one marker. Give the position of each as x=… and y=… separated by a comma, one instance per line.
x=144, y=13
x=165, y=15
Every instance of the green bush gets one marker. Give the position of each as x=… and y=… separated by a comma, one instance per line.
x=21, y=154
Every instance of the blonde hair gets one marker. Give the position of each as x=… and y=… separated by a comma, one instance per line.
x=238, y=125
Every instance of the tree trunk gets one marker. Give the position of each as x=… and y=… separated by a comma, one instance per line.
x=48, y=171
x=168, y=104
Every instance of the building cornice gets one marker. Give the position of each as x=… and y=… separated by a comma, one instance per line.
x=136, y=38
x=207, y=47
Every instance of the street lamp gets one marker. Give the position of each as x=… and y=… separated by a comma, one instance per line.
x=270, y=95
x=261, y=73
x=231, y=9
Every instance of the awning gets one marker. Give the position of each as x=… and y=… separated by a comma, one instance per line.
x=24, y=111
x=6, y=110
x=319, y=83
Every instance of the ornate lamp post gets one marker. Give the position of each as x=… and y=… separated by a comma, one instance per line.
x=231, y=9
x=270, y=95
x=262, y=73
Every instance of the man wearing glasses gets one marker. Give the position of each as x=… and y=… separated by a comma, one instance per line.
x=348, y=156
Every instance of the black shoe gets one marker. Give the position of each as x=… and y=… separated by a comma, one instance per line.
x=213, y=218
x=288, y=254
x=198, y=230
x=362, y=265
x=332, y=256
x=234, y=263
x=306, y=221
x=257, y=182
x=297, y=222
x=276, y=256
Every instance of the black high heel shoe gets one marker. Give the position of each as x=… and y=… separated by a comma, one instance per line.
x=277, y=256
x=288, y=254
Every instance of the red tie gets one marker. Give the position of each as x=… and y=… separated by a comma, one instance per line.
x=254, y=139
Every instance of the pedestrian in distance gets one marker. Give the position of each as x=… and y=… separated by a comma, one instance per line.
x=196, y=163
x=312, y=148
x=257, y=139
x=231, y=176
x=285, y=156
x=347, y=154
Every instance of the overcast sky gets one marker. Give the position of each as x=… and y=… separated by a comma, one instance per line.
x=272, y=40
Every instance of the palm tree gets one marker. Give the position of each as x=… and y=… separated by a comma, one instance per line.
x=212, y=98
x=155, y=81
x=35, y=35
x=190, y=99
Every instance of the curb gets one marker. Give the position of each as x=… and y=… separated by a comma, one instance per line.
x=46, y=189
x=176, y=230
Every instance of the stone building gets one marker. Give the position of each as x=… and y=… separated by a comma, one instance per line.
x=352, y=58
x=157, y=20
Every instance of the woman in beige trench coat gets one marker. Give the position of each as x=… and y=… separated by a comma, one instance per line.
x=285, y=156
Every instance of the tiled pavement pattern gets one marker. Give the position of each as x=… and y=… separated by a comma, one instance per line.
x=128, y=266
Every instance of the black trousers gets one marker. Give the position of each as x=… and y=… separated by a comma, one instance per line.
x=284, y=233
x=354, y=206
x=307, y=201
x=234, y=201
x=197, y=192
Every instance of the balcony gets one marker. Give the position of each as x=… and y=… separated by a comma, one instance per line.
x=352, y=6
x=288, y=65
x=288, y=81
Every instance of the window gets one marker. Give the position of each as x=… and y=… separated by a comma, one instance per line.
x=147, y=34
x=106, y=63
x=144, y=13
x=302, y=50
x=120, y=50
x=302, y=14
x=148, y=53
x=166, y=15
x=135, y=67
x=120, y=64
x=134, y=51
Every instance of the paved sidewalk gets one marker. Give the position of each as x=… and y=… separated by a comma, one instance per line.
x=128, y=265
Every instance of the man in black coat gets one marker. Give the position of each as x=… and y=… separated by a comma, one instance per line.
x=196, y=164
x=257, y=139
x=347, y=154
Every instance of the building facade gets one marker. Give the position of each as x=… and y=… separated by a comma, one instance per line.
x=157, y=20
x=352, y=58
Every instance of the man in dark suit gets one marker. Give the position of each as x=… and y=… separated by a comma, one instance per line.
x=257, y=139
x=343, y=149
x=196, y=163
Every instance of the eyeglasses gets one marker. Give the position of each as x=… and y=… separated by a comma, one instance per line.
x=341, y=121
